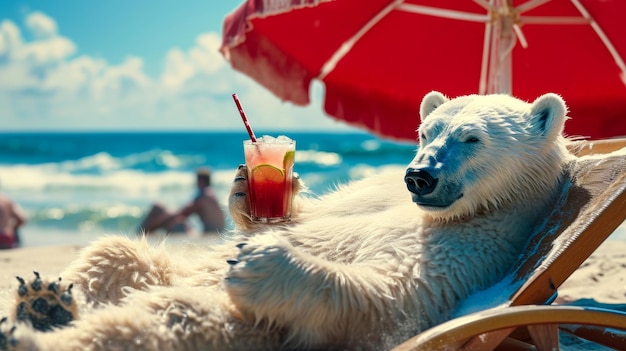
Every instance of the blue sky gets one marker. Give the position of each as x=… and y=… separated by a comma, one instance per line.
x=130, y=65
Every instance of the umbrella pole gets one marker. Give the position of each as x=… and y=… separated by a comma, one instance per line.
x=501, y=48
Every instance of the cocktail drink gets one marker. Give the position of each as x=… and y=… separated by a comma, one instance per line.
x=270, y=170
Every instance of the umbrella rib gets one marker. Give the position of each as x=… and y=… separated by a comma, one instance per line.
x=482, y=84
x=444, y=13
x=605, y=40
x=484, y=4
x=529, y=5
x=347, y=45
x=553, y=20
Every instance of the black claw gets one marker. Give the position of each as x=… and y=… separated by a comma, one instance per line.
x=36, y=284
x=4, y=319
x=240, y=194
x=241, y=166
x=66, y=297
x=22, y=290
x=232, y=262
x=54, y=287
x=239, y=178
x=241, y=245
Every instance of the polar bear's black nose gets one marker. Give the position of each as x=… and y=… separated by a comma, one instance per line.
x=419, y=181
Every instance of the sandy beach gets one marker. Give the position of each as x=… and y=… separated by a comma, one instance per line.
x=23, y=261
x=601, y=277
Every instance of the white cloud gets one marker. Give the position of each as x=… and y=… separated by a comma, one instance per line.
x=200, y=61
x=121, y=80
x=79, y=74
x=10, y=39
x=41, y=25
x=177, y=69
x=43, y=84
x=51, y=50
x=25, y=65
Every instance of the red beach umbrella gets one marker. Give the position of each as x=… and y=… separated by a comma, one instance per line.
x=377, y=58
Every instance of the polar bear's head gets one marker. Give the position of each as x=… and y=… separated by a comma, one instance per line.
x=482, y=152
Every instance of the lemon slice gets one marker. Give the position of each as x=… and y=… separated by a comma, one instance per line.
x=289, y=159
x=268, y=173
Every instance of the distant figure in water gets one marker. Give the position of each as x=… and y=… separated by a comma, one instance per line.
x=11, y=218
x=205, y=205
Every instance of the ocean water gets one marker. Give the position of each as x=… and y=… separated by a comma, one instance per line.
x=75, y=187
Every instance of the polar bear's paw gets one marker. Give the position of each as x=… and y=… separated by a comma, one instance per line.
x=7, y=341
x=256, y=274
x=46, y=305
x=238, y=205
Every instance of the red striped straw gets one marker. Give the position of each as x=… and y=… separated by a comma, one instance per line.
x=244, y=118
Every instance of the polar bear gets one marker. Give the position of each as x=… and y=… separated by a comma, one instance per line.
x=363, y=267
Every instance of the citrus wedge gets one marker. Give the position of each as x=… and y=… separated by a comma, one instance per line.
x=289, y=159
x=267, y=173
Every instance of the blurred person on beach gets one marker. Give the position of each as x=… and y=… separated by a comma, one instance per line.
x=204, y=205
x=11, y=218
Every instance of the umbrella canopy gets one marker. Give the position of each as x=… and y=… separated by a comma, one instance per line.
x=378, y=58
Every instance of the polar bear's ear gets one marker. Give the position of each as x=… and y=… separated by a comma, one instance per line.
x=548, y=115
x=430, y=102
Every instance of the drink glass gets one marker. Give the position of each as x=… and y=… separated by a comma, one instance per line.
x=270, y=170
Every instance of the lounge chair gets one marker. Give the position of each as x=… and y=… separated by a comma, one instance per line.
x=591, y=207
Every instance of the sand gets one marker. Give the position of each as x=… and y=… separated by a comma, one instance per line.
x=601, y=277
x=49, y=260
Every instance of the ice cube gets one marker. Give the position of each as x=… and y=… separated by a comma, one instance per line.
x=268, y=139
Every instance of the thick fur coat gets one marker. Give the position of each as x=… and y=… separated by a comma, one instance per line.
x=361, y=268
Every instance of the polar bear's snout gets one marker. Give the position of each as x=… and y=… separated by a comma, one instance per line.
x=420, y=181
x=430, y=190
